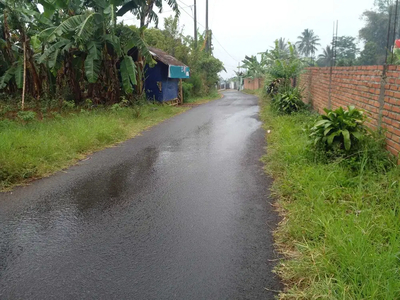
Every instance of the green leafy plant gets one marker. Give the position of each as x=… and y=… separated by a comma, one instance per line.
x=339, y=130
x=68, y=105
x=116, y=107
x=26, y=116
x=288, y=101
x=273, y=87
x=187, y=89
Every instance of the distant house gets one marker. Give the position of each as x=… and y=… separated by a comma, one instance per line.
x=253, y=83
x=162, y=82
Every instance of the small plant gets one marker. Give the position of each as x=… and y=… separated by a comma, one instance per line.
x=116, y=107
x=273, y=87
x=339, y=130
x=288, y=102
x=56, y=115
x=68, y=104
x=137, y=110
x=88, y=103
x=119, y=106
x=26, y=116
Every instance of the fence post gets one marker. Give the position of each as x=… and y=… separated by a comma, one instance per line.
x=310, y=74
x=330, y=88
x=382, y=95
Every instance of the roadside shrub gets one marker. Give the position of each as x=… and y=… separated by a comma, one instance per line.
x=187, y=89
x=339, y=130
x=273, y=87
x=342, y=135
x=26, y=116
x=68, y=105
x=197, y=84
x=288, y=101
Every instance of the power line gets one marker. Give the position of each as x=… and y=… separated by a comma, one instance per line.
x=224, y=48
x=191, y=16
x=187, y=12
x=213, y=34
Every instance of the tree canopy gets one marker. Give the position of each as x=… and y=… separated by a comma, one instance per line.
x=75, y=50
x=308, y=42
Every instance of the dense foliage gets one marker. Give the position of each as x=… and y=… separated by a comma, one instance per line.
x=76, y=51
x=288, y=101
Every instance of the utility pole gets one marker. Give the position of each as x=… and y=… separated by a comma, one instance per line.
x=239, y=77
x=195, y=25
x=207, y=35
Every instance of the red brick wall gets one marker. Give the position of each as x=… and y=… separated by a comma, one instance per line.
x=359, y=86
x=253, y=84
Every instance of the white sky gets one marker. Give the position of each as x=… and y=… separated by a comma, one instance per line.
x=241, y=29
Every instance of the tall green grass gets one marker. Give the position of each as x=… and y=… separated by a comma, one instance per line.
x=340, y=229
x=213, y=95
x=39, y=148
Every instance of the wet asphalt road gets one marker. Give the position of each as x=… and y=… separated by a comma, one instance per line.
x=181, y=212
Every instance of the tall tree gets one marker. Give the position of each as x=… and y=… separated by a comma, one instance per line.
x=375, y=29
x=325, y=59
x=369, y=56
x=145, y=10
x=18, y=21
x=308, y=42
x=346, y=50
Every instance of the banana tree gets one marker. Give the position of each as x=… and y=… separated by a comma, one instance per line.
x=254, y=68
x=144, y=10
x=17, y=24
x=90, y=39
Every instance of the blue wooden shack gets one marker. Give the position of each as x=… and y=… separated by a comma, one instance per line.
x=162, y=82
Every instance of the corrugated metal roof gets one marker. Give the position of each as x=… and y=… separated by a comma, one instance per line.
x=165, y=58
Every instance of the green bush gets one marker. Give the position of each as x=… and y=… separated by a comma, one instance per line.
x=197, y=85
x=26, y=116
x=339, y=130
x=341, y=135
x=272, y=88
x=288, y=101
x=187, y=89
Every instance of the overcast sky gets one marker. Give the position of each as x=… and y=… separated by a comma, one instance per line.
x=240, y=30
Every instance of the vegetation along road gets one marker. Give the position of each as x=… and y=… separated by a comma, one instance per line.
x=180, y=212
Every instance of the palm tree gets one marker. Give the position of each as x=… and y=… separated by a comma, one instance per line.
x=308, y=42
x=325, y=59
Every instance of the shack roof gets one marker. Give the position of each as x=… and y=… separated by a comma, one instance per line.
x=165, y=58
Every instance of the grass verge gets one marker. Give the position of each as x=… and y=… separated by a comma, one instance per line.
x=204, y=99
x=37, y=149
x=340, y=230
x=252, y=92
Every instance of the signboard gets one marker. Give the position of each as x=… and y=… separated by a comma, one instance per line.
x=178, y=72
